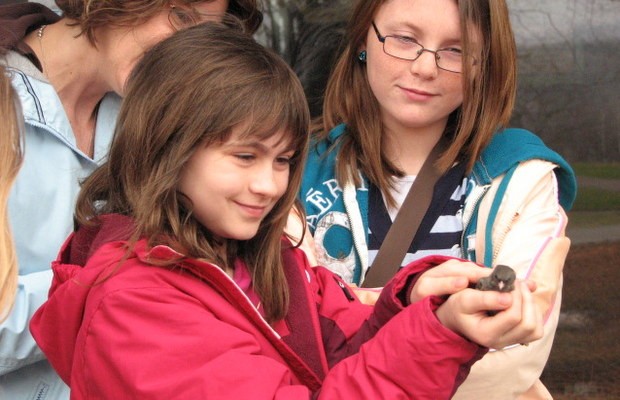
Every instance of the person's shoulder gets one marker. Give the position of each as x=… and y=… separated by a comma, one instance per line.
x=324, y=143
x=510, y=147
x=18, y=63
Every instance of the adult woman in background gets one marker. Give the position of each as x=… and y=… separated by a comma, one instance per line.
x=69, y=72
x=413, y=75
x=10, y=160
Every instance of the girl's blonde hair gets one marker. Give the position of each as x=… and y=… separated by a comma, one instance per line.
x=191, y=90
x=10, y=161
x=489, y=90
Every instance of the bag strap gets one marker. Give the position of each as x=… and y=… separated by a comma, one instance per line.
x=407, y=222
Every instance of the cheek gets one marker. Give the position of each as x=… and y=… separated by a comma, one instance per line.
x=282, y=182
x=454, y=86
x=377, y=75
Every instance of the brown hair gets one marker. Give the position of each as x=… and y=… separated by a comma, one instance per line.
x=10, y=161
x=488, y=90
x=188, y=91
x=94, y=14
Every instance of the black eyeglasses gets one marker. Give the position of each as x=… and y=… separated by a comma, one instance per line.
x=407, y=48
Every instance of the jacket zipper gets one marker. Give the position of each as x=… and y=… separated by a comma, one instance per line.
x=345, y=289
x=468, y=213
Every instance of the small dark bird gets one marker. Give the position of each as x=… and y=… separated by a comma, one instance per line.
x=501, y=279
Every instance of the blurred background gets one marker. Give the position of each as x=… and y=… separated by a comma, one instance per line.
x=569, y=94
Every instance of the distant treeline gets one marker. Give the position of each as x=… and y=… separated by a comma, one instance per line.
x=570, y=96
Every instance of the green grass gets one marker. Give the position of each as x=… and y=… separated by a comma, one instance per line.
x=591, y=219
x=594, y=199
x=594, y=206
x=595, y=170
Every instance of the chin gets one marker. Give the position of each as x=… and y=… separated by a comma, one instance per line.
x=246, y=235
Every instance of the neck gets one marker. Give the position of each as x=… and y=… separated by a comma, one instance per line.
x=409, y=148
x=71, y=64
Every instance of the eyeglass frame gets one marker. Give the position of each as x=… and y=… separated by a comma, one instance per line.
x=437, y=57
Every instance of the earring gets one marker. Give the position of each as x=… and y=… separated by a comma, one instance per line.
x=362, y=56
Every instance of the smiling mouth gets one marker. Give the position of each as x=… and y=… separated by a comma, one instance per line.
x=417, y=92
x=417, y=95
x=254, y=211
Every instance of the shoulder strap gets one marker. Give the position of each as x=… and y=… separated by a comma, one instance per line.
x=401, y=233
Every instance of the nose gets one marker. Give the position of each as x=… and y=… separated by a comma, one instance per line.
x=264, y=180
x=426, y=64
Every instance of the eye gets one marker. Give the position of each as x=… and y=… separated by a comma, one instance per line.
x=453, y=51
x=284, y=160
x=245, y=157
x=406, y=40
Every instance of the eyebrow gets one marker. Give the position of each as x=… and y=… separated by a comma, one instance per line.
x=401, y=25
x=258, y=144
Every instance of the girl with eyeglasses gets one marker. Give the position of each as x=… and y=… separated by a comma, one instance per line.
x=415, y=75
x=69, y=71
x=178, y=282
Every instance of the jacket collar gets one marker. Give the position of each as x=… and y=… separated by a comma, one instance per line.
x=41, y=107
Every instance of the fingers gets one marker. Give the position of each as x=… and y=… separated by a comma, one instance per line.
x=476, y=301
x=447, y=278
x=518, y=319
x=530, y=327
x=466, y=313
x=437, y=286
x=522, y=322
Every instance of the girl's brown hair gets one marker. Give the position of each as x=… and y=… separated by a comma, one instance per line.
x=10, y=161
x=94, y=14
x=489, y=90
x=191, y=90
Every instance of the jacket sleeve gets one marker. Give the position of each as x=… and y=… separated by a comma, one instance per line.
x=411, y=356
x=528, y=235
x=346, y=322
x=17, y=347
x=391, y=350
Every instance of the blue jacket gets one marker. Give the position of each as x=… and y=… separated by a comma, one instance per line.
x=41, y=207
x=344, y=249
x=338, y=217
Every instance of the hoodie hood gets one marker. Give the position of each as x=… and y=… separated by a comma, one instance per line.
x=56, y=324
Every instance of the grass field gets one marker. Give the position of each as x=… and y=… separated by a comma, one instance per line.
x=585, y=359
x=593, y=170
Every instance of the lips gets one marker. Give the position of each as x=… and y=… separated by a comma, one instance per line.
x=417, y=94
x=255, y=211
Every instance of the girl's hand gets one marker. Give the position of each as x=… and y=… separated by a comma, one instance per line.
x=446, y=279
x=518, y=319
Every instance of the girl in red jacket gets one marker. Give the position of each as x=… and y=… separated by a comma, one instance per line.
x=178, y=282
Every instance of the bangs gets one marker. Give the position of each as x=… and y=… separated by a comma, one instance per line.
x=271, y=107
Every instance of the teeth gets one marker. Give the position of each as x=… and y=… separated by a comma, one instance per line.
x=501, y=285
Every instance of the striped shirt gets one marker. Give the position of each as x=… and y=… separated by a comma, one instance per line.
x=441, y=228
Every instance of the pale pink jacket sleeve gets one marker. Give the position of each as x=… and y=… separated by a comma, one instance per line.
x=529, y=236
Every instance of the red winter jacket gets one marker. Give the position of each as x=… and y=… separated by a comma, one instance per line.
x=137, y=331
